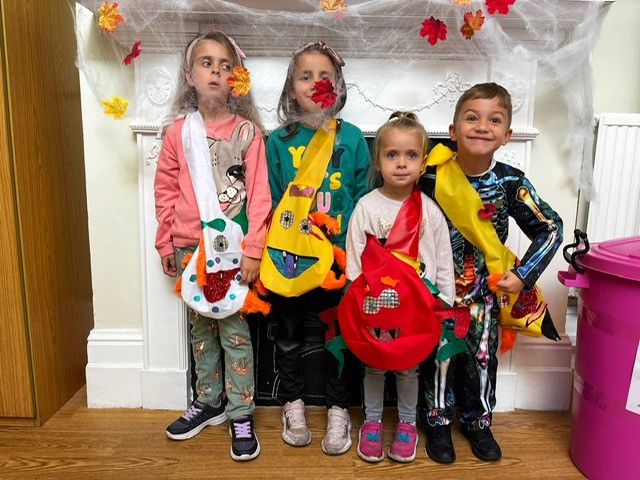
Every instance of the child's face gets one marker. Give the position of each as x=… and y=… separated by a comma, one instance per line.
x=399, y=161
x=480, y=129
x=310, y=68
x=211, y=66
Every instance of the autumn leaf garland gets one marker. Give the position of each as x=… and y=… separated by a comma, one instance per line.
x=435, y=29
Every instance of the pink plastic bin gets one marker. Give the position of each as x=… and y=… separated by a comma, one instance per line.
x=605, y=436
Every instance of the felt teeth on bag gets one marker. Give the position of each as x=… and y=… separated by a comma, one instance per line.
x=384, y=335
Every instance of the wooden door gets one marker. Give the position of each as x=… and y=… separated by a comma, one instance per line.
x=43, y=162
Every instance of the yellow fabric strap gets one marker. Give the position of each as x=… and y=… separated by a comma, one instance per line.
x=461, y=203
x=315, y=160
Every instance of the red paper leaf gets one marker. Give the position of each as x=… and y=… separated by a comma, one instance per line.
x=135, y=51
x=324, y=94
x=502, y=6
x=434, y=30
x=487, y=211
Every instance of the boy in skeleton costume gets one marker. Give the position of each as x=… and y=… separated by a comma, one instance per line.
x=478, y=195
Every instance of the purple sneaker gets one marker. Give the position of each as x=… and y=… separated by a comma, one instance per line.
x=403, y=448
x=370, y=442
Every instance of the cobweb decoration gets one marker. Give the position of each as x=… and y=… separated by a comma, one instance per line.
x=559, y=37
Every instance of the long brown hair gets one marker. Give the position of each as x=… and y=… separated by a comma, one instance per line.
x=289, y=112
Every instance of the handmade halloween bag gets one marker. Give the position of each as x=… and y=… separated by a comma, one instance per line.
x=210, y=280
x=298, y=255
x=525, y=312
x=387, y=315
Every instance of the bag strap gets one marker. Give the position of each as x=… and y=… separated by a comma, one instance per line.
x=315, y=160
x=404, y=236
x=461, y=204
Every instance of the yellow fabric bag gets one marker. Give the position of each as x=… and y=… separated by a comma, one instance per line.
x=523, y=312
x=298, y=256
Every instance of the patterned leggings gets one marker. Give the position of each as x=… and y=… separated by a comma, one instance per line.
x=209, y=339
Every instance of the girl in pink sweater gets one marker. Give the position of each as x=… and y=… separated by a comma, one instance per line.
x=212, y=198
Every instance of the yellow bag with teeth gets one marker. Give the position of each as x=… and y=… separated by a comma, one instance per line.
x=298, y=256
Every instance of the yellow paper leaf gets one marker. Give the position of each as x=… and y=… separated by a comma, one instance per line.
x=240, y=81
x=116, y=106
x=110, y=18
x=462, y=2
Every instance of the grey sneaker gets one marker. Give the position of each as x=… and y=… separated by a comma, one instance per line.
x=295, y=431
x=338, y=438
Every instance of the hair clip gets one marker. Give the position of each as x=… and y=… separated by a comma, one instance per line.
x=320, y=45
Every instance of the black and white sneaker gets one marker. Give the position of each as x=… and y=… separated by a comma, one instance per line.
x=244, y=443
x=198, y=416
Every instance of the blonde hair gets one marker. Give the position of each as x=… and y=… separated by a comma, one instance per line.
x=400, y=120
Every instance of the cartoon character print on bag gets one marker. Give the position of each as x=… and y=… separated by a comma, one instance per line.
x=227, y=156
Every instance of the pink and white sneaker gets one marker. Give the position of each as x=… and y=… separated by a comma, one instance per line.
x=403, y=448
x=370, y=442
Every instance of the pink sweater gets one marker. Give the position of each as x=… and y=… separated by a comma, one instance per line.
x=176, y=207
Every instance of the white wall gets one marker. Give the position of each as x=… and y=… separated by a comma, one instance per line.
x=616, y=51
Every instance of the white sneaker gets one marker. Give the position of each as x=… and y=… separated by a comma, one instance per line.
x=338, y=438
x=295, y=431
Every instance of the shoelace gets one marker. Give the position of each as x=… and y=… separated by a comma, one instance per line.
x=295, y=417
x=191, y=412
x=243, y=430
x=337, y=424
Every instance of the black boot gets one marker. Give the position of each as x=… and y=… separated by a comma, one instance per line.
x=439, y=444
x=483, y=445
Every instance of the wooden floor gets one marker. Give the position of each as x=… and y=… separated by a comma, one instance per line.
x=83, y=443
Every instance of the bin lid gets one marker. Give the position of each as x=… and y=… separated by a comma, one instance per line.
x=619, y=257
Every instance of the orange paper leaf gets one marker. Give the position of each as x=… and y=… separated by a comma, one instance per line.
x=110, y=18
x=462, y=2
x=240, y=81
x=331, y=5
x=472, y=24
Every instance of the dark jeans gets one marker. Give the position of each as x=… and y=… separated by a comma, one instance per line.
x=293, y=317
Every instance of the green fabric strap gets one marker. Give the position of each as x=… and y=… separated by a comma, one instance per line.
x=335, y=346
x=452, y=347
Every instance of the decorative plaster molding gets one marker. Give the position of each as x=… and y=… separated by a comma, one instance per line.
x=158, y=87
x=152, y=154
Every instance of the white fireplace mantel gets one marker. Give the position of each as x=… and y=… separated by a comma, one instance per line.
x=149, y=367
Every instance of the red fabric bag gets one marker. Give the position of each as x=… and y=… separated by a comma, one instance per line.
x=387, y=315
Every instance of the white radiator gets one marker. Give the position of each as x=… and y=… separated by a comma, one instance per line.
x=615, y=211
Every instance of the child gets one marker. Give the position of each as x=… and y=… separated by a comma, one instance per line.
x=481, y=125
x=220, y=137
x=343, y=183
x=399, y=156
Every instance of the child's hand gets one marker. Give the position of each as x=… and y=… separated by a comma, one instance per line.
x=250, y=269
x=510, y=283
x=169, y=265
